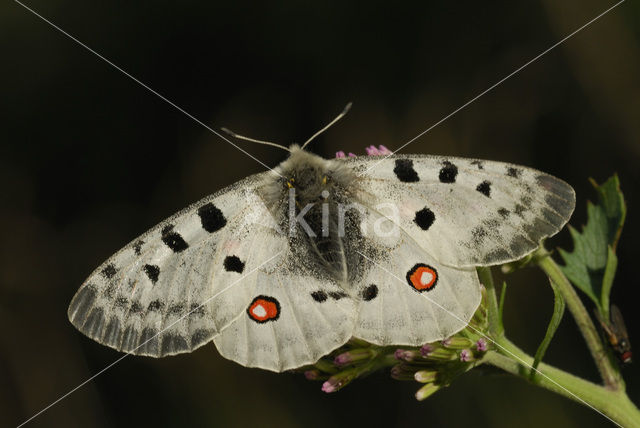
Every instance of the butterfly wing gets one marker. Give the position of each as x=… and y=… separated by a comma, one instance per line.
x=290, y=321
x=466, y=212
x=220, y=269
x=154, y=297
x=406, y=296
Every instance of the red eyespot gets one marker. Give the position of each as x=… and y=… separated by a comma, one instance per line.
x=263, y=309
x=422, y=277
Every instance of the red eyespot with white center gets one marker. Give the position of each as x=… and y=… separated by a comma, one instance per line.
x=263, y=309
x=422, y=277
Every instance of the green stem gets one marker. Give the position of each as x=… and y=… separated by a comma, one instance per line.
x=610, y=375
x=614, y=404
x=495, y=323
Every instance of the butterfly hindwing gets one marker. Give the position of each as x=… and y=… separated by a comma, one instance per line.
x=467, y=212
x=289, y=321
x=406, y=297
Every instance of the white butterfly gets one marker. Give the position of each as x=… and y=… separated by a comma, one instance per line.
x=235, y=269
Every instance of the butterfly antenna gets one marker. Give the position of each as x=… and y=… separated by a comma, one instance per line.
x=340, y=116
x=253, y=140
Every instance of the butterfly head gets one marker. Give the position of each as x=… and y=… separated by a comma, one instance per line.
x=310, y=175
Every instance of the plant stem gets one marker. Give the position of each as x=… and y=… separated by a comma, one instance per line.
x=495, y=323
x=614, y=404
x=610, y=375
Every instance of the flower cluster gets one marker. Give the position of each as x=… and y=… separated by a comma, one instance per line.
x=434, y=365
x=371, y=151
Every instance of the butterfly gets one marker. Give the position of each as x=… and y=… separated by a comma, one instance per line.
x=284, y=266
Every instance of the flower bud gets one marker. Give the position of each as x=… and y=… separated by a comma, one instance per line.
x=407, y=355
x=425, y=376
x=457, y=342
x=353, y=356
x=466, y=356
x=338, y=381
x=426, y=391
x=482, y=345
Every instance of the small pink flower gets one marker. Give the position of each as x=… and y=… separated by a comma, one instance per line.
x=426, y=349
x=466, y=355
x=342, y=359
x=340, y=154
x=330, y=386
x=372, y=151
x=481, y=345
x=384, y=151
x=311, y=374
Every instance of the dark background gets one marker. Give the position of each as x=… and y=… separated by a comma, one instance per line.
x=89, y=160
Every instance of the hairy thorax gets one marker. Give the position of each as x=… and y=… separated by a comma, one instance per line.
x=313, y=201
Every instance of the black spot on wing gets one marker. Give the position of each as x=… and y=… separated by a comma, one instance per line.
x=370, y=293
x=176, y=309
x=153, y=272
x=337, y=295
x=519, y=210
x=319, y=296
x=479, y=234
x=405, y=172
x=137, y=247
x=513, y=172
x=504, y=213
x=211, y=218
x=448, y=173
x=478, y=163
x=109, y=271
x=484, y=188
x=233, y=264
x=196, y=310
x=136, y=308
x=173, y=239
x=155, y=306
x=424, y=218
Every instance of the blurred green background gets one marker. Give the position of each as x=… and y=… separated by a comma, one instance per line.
x=89, y=160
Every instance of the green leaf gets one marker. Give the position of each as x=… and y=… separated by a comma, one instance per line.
x=593, y=248
x=558, y=312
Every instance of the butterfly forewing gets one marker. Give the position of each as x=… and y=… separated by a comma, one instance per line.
x=155, y=296
x=468, y=212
